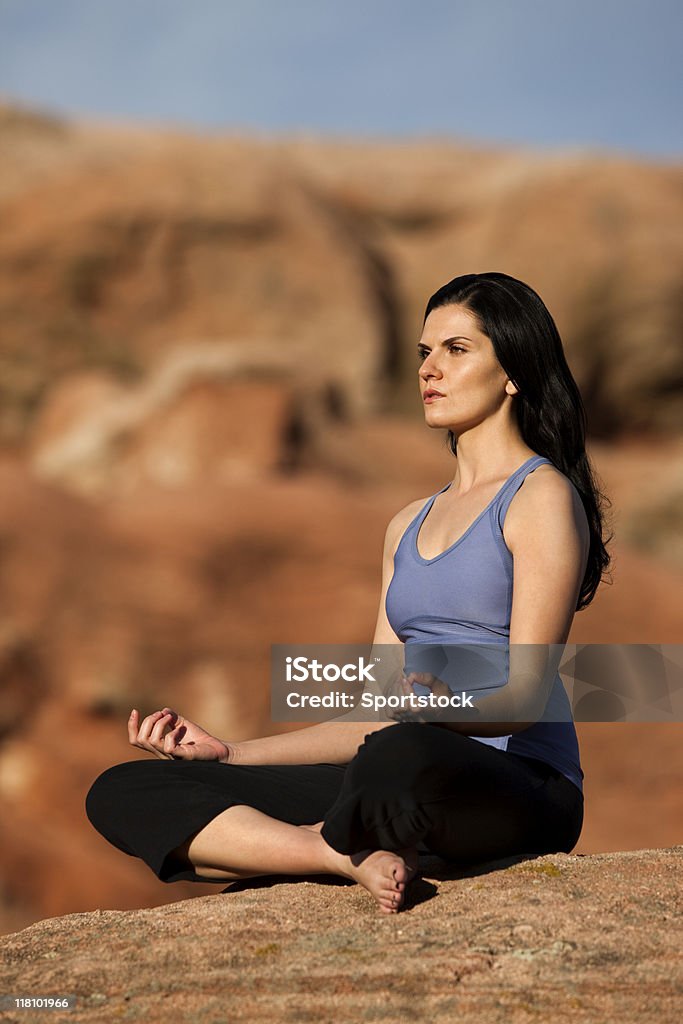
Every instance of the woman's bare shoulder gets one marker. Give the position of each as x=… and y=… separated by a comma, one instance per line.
x=549, y=481
x=546, y=485
x=547, y=496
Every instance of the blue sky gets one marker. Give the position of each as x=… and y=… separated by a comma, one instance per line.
x=598, y=73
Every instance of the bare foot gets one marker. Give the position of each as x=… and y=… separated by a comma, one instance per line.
x=383, y=873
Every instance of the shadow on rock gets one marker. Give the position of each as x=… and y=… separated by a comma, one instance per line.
x=442, y=870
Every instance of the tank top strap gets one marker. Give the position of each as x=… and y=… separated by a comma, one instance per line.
x=513, y=484
x=422, y=514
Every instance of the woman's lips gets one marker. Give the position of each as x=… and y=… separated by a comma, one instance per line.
x=431, y=396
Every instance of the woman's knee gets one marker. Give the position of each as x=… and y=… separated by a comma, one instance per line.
x=107, y=791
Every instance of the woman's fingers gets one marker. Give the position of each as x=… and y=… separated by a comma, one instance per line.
x=172, y=739
x=146, y=726
x=156, y=736
x=133, y=726
x=424, y=678
x=149, y=734
x=138, y=732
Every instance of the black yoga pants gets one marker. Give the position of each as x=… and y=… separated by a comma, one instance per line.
x=411, y=784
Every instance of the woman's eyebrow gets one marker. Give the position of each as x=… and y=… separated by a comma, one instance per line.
x=447, y=341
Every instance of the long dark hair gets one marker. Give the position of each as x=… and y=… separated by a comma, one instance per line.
x=550, y=412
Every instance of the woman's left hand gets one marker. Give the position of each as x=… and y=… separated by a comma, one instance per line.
x=406, y=687
x=438, y=688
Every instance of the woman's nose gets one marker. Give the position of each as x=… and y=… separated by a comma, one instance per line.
x=428, y=369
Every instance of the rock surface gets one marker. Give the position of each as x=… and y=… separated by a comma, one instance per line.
x=586, y=938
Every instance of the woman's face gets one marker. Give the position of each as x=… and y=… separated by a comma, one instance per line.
x=461, y=380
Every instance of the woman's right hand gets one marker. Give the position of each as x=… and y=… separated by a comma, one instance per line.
x=168, y=735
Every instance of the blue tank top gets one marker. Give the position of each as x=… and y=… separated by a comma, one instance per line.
x=464, y=595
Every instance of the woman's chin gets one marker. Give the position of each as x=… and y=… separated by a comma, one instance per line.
x=433, y=419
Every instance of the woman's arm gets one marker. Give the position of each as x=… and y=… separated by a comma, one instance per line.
x=547, y=532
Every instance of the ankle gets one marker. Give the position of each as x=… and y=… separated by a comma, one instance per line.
x=335, y=863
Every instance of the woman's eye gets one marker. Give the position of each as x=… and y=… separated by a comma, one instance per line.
x=422, y=353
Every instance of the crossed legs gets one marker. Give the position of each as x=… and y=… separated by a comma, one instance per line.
x=242, y=842
x=408, y=785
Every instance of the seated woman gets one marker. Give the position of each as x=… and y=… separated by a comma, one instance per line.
x=507, y=551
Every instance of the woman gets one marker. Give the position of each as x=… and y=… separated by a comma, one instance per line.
x=359, y=799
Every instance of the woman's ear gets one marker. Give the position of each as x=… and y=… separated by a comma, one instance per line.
x=511, y=389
